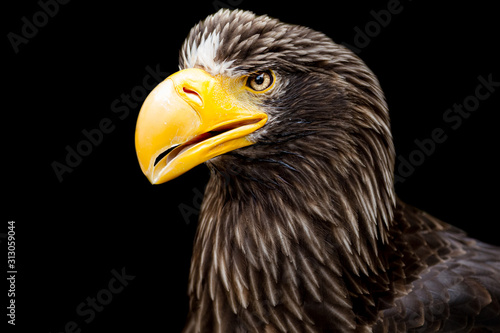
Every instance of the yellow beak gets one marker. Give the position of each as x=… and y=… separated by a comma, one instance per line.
x=199, y=116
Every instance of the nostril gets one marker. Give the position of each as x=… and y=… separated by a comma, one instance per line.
x=188, y=91
x=193, y=95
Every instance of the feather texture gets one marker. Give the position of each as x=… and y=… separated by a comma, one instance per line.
x=302, y=231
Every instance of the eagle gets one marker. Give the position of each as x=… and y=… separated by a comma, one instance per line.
x=300, y=229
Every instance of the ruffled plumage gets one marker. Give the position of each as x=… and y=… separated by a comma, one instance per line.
x=302, y=231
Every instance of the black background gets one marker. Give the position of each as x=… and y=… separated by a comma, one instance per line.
x=105, y=215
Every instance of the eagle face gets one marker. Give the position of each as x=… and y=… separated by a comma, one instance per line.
x=256, y=83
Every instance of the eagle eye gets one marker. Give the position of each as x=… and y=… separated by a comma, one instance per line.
x=260, y=81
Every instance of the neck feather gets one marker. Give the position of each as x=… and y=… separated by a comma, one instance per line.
x=288, y=232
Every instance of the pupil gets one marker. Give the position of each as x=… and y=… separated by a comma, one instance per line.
x=259, y=79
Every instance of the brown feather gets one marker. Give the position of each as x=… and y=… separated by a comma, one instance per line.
x=302, y=231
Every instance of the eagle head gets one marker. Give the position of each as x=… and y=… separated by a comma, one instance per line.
x=295, y=130
x=253, y=80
